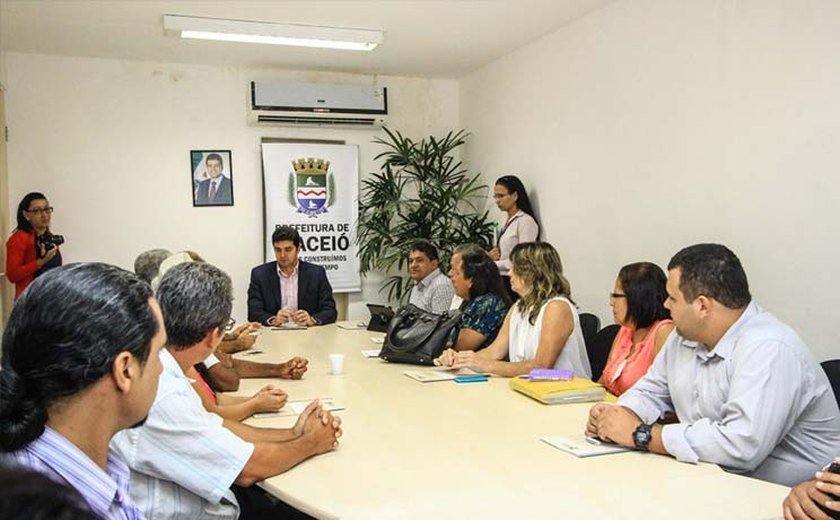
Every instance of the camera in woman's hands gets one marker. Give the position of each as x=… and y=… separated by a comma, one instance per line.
x=48, y=240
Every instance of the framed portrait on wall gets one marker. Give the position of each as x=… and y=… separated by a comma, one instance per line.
x=211, y=177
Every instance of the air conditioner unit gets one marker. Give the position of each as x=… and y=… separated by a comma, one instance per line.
x=310, y=104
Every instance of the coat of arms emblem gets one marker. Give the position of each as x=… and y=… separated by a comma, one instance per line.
x=311, y=186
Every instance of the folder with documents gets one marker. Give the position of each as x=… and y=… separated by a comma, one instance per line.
x=578, y=390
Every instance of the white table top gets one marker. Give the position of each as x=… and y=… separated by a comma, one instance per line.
x=448, y=450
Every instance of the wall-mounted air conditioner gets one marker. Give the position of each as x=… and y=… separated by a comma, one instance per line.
x=312, y=104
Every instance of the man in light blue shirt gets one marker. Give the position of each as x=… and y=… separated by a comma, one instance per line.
x=746, y=391
x=433, y=291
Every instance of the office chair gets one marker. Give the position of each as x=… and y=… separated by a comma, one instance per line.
x=598, y=349
x=832, y=370
x=589, y=325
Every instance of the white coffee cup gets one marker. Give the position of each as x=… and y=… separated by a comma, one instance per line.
x=336, y=364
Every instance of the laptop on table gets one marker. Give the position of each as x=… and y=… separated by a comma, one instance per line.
x=380, y=317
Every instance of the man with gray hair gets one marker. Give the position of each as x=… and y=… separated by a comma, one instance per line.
x=147, y=263
x=221, y=371
x=184, y=459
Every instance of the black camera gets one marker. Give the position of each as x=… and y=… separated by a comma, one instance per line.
x=49, y=241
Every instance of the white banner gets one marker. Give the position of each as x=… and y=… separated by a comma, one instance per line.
x=315, y=189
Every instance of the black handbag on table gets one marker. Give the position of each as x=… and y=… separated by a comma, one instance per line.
x=416, y=336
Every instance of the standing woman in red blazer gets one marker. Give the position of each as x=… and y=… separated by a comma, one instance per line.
x=32, y=249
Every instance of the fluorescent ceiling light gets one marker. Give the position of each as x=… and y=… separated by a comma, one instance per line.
x=273, y=33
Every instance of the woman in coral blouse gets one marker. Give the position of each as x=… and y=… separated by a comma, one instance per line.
x=637, y=304
x=29, y=250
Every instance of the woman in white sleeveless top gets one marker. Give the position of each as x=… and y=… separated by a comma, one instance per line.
x=541, y=330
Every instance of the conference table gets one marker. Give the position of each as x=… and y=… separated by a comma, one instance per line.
x=449, y=450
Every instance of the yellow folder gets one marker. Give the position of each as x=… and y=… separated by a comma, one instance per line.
x=578, y=390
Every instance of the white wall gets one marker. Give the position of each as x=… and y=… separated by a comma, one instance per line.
x=108, y=142
x=654, y=124
x=2, y=44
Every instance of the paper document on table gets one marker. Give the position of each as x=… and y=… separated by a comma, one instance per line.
x=371, y=353
x=429, y=376
x=294, y=408
x=352, y=325
x=378, y=341
x=461, y=371
x=289, y=325
x=582, y=445
x=438, y=374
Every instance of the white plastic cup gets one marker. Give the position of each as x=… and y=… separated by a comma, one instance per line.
x=336, y=364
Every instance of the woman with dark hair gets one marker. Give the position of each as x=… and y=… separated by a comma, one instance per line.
x=477, y=282
x=29, y=495
x=29, y=250
x=67, y=385
x=637, y=303
x=541, y=330
x=520, y=225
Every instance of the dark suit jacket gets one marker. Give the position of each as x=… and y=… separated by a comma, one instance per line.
x=315, y=294
x=224, y=194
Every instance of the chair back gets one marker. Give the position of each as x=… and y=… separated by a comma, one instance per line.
x=832, y=370
x=589, y=325
x=598, y=349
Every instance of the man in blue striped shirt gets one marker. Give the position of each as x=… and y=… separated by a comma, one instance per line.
x=80, y=363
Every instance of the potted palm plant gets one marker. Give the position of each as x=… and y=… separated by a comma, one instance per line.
x=421, y=192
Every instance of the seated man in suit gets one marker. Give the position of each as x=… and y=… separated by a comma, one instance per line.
x=216, y=189
x=746, y=391
x=432, y=290
x=290, y=290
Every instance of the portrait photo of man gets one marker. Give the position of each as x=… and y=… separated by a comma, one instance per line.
x=212, y=178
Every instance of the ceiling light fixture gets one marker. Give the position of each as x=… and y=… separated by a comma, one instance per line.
x=273, y=33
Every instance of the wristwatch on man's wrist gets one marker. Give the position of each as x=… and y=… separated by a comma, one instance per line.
x=642, y=436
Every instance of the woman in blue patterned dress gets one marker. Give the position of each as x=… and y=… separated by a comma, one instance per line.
x=477, y=281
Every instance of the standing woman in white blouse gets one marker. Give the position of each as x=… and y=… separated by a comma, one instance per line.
x=520, y=225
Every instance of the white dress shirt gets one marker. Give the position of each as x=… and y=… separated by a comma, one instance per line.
x=757, y=404
x=182, y=459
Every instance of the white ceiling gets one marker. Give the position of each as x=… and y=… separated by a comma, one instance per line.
x=434, y=38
